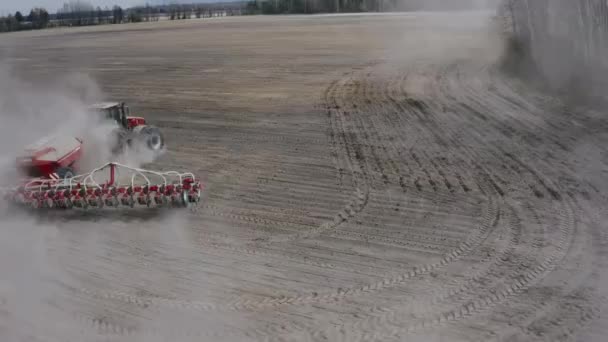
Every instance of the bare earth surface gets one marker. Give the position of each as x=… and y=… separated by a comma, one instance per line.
x=369, y=178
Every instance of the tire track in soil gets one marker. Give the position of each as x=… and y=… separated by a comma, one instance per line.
x=252, y=305
x=361, y=98
x=368, y=113
x=404, y=103
x=356, y=205
x=463, y=249
x=544, y=267
x=586, y=300
x=556, y=124
x=339, y=139
x=108, y=330
x=555, y=197
x=477, y=129
x=586, y=325
x=361, y=106
x=477, y=302
x=390, y=319
x=552, y=313
x=422, y=305
x=360, y=200
x=554, y=193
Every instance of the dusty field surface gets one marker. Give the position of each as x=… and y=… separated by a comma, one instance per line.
x=369, y=178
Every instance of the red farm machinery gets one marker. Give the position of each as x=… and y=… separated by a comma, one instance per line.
x=54, y=180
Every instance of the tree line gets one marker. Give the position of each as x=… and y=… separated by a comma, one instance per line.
x=75, y=13
x=345, y=6
x=188, y=11
x=314, y=6
x=83, y=13
x=38, y=18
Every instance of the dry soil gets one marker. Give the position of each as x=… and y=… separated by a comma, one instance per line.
x=368, y=178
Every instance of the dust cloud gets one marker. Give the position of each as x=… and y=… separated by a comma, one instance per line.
x=35, y=280
x=477, y=31
x=557, y=51
x=29, y=111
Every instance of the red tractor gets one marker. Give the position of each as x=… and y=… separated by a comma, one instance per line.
x=131, y=128
x=54, y=179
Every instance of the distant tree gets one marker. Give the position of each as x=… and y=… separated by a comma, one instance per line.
x=35, y=18
x=148, y=12
x=252, y=7
x=39, y=18
x=134, y=17
x=43, y=18
x=3, y=25
x=172, y=12
x=91, y=17
x=82, y=12
x=30, y=17
x=19, y=17
x=11, y=23
x=99, y=15
x=79, y=12
x=117, y=15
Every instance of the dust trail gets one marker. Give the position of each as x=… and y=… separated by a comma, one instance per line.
x=564, y=43
x=29, y=111
x=35, y=282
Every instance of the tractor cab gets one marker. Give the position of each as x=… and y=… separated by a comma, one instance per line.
x=118, y=112
x=130, y=127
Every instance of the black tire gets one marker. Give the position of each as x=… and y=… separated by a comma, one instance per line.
x=153, y=138
x=121, y=139
x=65, y=172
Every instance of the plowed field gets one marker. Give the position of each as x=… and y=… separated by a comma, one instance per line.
x=369, y=178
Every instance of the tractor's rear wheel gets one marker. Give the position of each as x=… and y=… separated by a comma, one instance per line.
x=121, y=139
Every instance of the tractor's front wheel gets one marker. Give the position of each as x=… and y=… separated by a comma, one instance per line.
x=152, y=137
